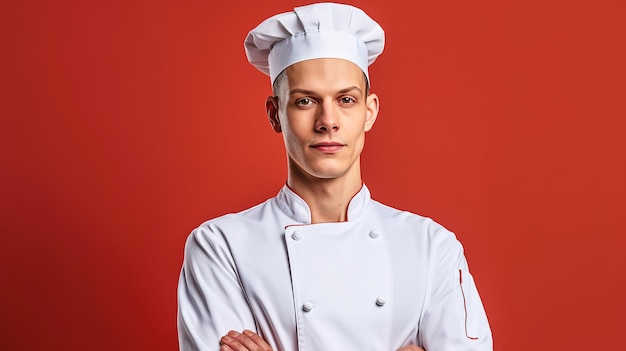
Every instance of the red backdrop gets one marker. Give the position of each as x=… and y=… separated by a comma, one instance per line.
x=127, y=123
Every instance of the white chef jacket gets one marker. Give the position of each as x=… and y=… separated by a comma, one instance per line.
x=379, y=281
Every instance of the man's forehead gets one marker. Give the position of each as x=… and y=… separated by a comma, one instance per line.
x=325, y=73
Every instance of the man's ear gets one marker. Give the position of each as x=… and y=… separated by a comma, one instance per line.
x=372, y=105
x=271, y=108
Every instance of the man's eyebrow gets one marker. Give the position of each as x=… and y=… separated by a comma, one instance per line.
x=301, y=91
x=349, y=89
x=310, y=92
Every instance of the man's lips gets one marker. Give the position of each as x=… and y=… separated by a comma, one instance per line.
x=328, y=147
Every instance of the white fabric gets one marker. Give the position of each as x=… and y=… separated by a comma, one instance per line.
x=323, y=30
x=381, y=280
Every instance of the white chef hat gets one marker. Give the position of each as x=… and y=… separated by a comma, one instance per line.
x=323, y=30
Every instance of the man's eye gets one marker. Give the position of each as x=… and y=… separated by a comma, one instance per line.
x=347, y=100
x=304, y=102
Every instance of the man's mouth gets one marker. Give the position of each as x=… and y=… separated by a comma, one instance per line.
x=328, y=146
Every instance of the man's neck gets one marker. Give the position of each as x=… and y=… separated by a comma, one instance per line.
x=328, y=199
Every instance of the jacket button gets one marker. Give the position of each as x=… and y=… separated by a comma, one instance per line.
x=381, y=300
x=296, y=235
x=308, y=306
x=375, y=233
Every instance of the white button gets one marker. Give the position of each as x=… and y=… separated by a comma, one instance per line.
x=375, y=233
x=296, y=235
x=381, y=300
x=308, y=306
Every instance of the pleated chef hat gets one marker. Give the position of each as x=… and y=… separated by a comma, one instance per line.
x=323, y=30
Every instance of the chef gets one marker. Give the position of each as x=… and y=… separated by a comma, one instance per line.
x=322, y=266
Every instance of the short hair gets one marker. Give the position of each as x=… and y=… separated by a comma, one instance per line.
x=280, y=84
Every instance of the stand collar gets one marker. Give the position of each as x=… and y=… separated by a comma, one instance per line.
x=297, y=209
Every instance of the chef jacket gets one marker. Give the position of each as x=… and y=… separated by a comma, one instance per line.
x=381, y=280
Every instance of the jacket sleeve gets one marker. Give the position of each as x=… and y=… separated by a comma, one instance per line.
x=211, y=300
x=454, y=318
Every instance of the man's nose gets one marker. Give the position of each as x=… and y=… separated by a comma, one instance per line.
x=327, y=118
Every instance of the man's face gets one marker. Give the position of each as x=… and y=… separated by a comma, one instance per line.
x=323, y=115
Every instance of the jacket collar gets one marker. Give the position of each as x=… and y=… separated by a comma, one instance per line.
x=297, y=209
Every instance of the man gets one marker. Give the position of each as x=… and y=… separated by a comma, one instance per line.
x=322, y=266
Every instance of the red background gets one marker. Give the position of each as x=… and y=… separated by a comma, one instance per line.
x=127, y=123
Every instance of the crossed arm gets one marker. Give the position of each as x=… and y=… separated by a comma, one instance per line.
x=251, y=341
